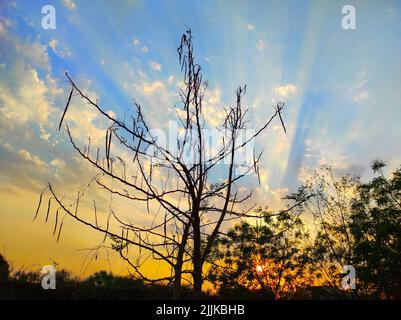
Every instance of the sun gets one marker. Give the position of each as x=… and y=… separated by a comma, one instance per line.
x=259, y=269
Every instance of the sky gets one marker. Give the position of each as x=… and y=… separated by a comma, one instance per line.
x=341, y=89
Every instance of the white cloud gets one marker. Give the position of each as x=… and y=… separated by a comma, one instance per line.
x=285, y=90
x=250, y=27
x=213, y=96
x=43, y=133
x=4, y=23
x=155, y=66
x=260, y=44
x=170, y=80
x=58, y=163
x=264, y=175
x=54, y=45
x=87, y=122
x=136, y=42
x=358, y=91
x=362, y=95
x=31, y=158
x=141, y=73
x=214, y=114
x=35, y=53
x=152, y=87
x=69, y=4
x=28, y=101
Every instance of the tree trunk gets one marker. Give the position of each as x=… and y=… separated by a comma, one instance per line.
x=177, y=283
x=178, y=265
x=197, y=257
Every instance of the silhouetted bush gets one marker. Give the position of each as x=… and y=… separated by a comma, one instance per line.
x=243, y=293
x=4, y=270
x=107, y=280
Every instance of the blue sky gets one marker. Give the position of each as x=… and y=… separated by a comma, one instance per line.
x=341, y=87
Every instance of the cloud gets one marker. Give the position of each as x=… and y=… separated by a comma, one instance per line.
x=27, y=101
x=285, y=90
x=264, y=175
x=20, y=168
x=4, y=23
x=359, y=91
x=35, y=53
x=170, y=80
x=362, y=95
x=69, y=4
x=250, y=27
x=213, y=96
x=43, y=133
x=58, y=163
x=152, y=86
x=54, y=45
x=260, y=44
x=87, y=122
x=155, y=66
x=31, y=158
x=136, y=42
x=214, y=113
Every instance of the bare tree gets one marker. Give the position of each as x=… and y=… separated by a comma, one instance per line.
x=170, y=181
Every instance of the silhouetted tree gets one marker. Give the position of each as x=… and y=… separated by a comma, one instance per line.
x=193, y=207
x=376, y=227
x=357, y=224
x=4, y=270
x=268, y=257
x=328, y=202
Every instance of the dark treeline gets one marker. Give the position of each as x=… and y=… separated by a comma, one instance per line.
x=21, y=284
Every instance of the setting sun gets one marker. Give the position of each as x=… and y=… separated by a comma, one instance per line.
x=259, y=269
